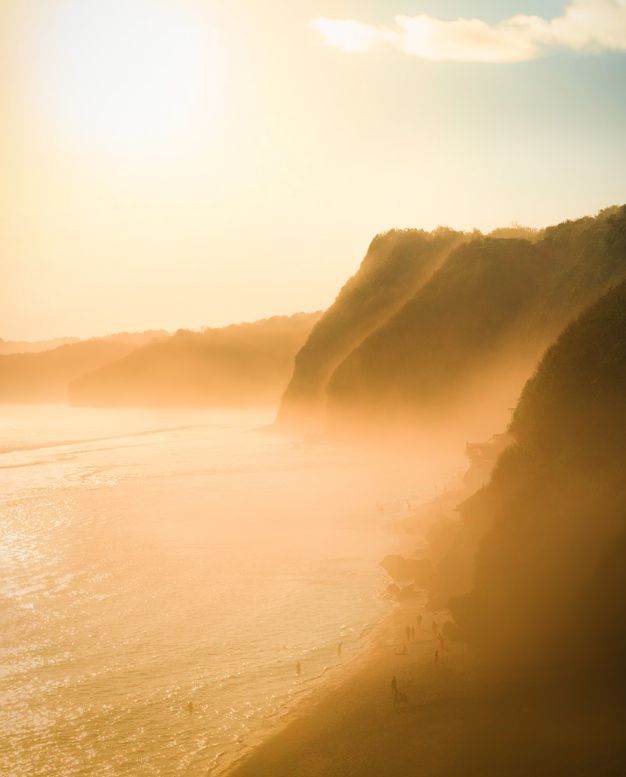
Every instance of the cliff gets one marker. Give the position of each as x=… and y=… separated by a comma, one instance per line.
x=396, y=265
x=550, y=527
x=460, y=349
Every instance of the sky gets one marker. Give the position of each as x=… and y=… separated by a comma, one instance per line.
x=191, y=163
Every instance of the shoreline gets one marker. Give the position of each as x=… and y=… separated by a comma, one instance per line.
x=382, y=643
x=380, y=648
x=330, y=680
x=457, y=721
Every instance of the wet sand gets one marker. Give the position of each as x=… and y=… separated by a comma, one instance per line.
x=452, y=726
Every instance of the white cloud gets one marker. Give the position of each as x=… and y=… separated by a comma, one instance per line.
x=585, y=25
x=350, y=35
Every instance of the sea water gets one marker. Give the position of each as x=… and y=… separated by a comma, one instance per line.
x=150, y=560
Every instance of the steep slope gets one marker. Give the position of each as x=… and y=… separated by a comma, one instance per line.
x=235, y=365
x=396, y=265
x=550, y=572
x=461, y=348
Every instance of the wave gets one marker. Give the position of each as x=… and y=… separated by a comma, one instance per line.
x=62, y=443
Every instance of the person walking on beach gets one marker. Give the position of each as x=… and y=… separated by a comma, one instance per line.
x=394, y=689
x=436, y=659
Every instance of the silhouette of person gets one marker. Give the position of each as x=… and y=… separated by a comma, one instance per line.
x=436, y=658
x=298, y=668
x=339, y=648
x=394, y=689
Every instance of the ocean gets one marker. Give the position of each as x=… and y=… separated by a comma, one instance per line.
x=163, y=572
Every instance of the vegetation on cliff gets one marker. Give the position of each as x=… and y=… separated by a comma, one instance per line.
x=550, y=527
x=44, y=376
x=475, y=330
x=396, y=265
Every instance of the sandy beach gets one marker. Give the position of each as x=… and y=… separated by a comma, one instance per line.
x=453, y=725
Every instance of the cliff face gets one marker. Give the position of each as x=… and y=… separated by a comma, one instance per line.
x=478, y=326
x=237, y=365
x=397, y=264
x=550, y=571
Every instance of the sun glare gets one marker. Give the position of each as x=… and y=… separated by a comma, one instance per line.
x=126, y=74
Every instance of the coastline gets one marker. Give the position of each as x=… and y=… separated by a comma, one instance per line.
x=381, y=655
x=457, y=722
x=307, y=699
x=348, y=686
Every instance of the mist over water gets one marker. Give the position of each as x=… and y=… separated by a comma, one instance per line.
x=149, y=559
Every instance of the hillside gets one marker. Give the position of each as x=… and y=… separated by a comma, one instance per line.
x=550, y=571
x=459, y=351
x=34, y=346
x=236, y=365
x=44, y=376
x=396, y=265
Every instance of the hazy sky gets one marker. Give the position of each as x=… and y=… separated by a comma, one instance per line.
x=184, y=163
